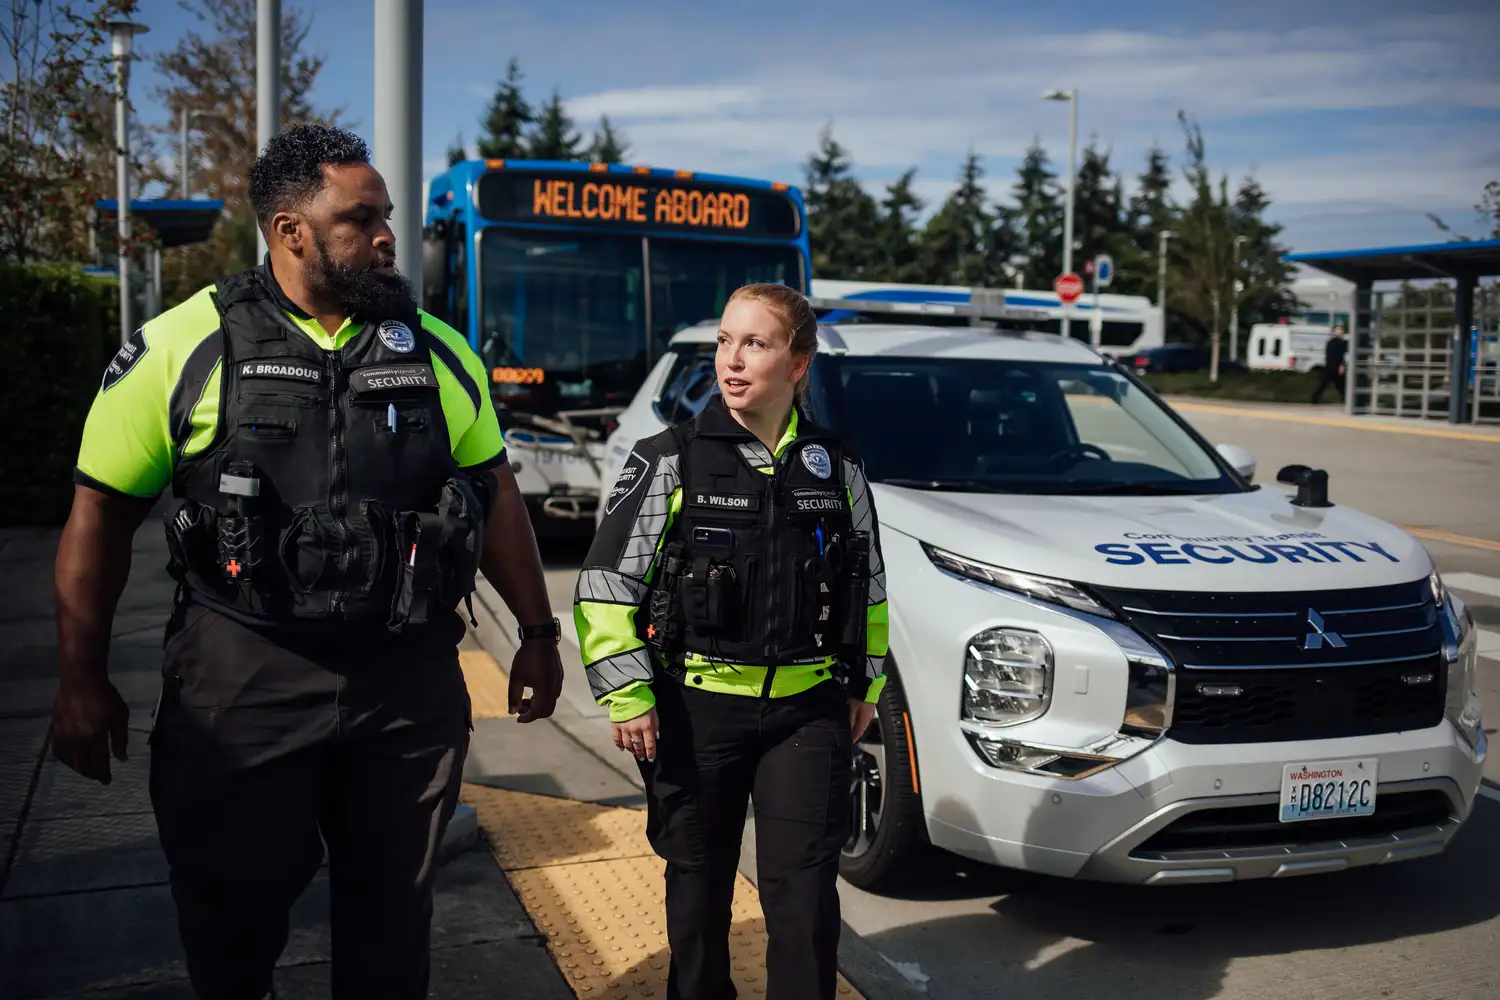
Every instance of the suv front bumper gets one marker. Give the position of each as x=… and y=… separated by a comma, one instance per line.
x=1147, y=820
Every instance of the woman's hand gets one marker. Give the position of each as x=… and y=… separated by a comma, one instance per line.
x=638, y=735
x=860, y=714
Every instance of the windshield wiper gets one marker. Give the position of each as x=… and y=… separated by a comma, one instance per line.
x=945, y=484
x=1096, y=488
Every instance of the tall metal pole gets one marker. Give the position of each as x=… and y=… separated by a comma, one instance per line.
x=182, y=166
x=122, y=34
x=1068, y=212
x=267, y=81
x=1234, y=319
x=1161, y=277
x=398, y=126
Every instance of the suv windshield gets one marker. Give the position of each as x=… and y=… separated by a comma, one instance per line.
x=1010, y=426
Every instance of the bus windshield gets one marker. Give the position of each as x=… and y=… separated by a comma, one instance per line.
x=564, y=316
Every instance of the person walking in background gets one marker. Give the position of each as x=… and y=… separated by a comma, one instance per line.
x=1332, y=374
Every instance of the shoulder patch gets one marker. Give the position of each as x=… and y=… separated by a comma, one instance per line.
x=126, y=358
x=636, y=471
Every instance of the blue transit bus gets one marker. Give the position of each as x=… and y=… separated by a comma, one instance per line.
x=568, y=280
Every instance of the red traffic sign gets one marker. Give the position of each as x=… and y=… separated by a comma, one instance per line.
x=1068, y=287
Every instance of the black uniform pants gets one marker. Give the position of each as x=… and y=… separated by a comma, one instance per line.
x=791, y=756
x=1328, y=377
x=260, y=755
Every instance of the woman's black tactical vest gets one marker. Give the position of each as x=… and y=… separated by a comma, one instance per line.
x=329, y=496
x=760, y=569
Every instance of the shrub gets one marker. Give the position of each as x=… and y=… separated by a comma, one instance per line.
x=62, y=326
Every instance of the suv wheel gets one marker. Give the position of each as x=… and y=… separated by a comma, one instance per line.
x=886, y=828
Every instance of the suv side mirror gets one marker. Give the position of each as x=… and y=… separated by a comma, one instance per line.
x=1312, y=485
x=1239, y=459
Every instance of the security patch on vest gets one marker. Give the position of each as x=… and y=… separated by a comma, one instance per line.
x=397, y=336
x=808, y=500
x=126, y=358
x=629, y=480
x=296, y=370
x=393, y=377
x=815, y=457
x=726, y=501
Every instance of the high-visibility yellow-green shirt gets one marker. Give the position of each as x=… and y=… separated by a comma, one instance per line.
x=616, y=578
x=160, y=401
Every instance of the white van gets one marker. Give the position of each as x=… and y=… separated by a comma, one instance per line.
x=1286, y=347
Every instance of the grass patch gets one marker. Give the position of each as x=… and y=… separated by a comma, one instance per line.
x=1265, y=387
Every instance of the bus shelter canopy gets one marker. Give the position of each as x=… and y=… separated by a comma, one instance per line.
x=1472, y=260
x=177, y=221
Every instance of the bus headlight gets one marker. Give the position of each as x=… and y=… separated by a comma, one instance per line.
x=1007, y=677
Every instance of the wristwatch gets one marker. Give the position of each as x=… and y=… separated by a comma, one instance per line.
x=549, y=630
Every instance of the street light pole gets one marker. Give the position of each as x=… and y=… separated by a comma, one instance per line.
x=398, y=126
x=1161, y=278
x=267, y=82
x=1234, y=318
x=1071, y=96
x=121, y=34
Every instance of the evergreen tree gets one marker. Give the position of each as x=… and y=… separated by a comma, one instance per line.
x=554, y=138
x=842, y=218
x=1265, y=276
x=1038, y=219
x=506, y=119
x=608, y=146
x=959, y=245
x=1100, y=222
x=897, y=236
x=1151, y=210
x=457, y=152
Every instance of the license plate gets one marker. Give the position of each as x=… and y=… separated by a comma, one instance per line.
x=1328, y=789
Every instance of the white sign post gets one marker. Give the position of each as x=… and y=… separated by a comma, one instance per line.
x=1104, y=273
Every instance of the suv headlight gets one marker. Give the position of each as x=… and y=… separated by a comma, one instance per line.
x=1041, y=588
x=1463, y=707
x=1007, y=676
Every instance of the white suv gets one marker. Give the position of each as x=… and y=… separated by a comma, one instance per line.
x=1112, y=655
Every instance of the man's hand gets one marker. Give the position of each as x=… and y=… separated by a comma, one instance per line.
x=89, y=722
x=638, y=735
x=537, y=667
x=860, y=715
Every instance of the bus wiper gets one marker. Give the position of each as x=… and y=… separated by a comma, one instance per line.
x=945, y=484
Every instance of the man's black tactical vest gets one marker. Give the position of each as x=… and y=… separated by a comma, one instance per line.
x=329, y=497
x=759, y=569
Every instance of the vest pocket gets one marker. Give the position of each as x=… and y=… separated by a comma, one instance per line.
x=395, y=420
x=268, y=428
x=306, y=549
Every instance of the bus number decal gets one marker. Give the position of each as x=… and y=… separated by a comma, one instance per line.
x=518, y=376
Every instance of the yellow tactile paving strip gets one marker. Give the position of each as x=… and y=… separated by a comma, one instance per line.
x=590, y=882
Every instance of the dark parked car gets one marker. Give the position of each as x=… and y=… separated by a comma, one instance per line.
x=1177, y=358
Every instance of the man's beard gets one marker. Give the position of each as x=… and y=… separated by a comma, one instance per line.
x=363, y=291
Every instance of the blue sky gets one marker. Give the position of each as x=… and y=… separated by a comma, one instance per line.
x=1358, y=118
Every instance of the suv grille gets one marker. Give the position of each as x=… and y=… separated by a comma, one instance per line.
x=1262, y=667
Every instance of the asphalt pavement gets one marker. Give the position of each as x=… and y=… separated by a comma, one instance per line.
x=1420, y=929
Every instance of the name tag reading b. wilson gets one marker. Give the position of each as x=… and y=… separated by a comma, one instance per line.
x=385, y=377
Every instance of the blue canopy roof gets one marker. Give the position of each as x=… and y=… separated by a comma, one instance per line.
x=1472, y=259
x=177, y=221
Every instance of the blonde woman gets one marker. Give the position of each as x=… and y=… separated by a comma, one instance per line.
x=732, y=617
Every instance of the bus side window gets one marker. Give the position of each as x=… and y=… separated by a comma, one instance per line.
x=1276, y=347
x=1261, y=347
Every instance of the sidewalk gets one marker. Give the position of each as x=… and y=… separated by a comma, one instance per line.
x=1332, y=414
x=560, y=897
x=84, y=903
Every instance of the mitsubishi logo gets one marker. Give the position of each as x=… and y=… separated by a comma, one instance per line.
x=1314, y=639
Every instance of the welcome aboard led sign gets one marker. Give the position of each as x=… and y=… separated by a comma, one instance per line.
x=637, y=202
